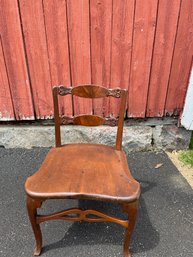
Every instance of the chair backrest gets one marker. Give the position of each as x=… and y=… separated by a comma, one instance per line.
x=89, y=91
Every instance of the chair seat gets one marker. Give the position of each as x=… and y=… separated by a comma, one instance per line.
x=84, y=171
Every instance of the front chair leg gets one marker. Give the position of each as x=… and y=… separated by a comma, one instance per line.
x=131, y=209
x=32, y=205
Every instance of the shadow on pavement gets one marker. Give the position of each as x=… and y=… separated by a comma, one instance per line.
x=145, y=236
x=164, y=226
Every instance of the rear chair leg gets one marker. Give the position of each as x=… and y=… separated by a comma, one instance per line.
x=131, y=209
x=32, y=206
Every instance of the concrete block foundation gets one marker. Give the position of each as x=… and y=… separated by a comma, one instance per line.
x=135, y=138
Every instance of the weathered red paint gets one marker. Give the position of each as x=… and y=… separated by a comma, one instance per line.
x=79, y=41
x=182, y=60
x=32, y=16
x=146, y=48
x=143, y=39
x=101, y=22
x=12, y=42
x=58, y=50
x=122, y=32
x=166, y=28
x=6, y=107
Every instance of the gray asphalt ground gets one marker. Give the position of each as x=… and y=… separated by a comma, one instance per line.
x=164, y=226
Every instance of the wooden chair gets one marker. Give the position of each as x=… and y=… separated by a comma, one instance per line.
x=84, y=171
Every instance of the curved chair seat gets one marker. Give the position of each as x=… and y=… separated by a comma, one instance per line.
x=87, y=171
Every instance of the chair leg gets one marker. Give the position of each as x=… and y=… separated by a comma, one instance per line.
x=131, y=209
x=32, y=206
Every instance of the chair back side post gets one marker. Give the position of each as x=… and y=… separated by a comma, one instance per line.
x=121, y=120
x=56, y=117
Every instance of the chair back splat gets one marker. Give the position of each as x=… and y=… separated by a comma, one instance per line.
x=88, y=91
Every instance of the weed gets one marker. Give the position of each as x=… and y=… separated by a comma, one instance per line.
x=186, y=157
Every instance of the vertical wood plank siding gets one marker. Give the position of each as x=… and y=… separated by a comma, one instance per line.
x=33, y=23
x=167, y=21
x=6, y=105
x=79, y=42
x=58, y=48
x=182, y=60
x=101, y=28
x=143, y=40
x=122, y=35
x=144, y=46
x=14, y=55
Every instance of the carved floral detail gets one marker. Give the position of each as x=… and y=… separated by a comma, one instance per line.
x=62, y=90
x=114, y=92
x=65, y=120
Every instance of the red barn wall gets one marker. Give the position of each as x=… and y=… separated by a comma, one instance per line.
x=144, y=46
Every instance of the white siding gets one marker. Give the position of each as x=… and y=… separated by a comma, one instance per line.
x=187, y=115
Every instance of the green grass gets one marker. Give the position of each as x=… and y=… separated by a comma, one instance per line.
x=191, y=142
x=186, y=157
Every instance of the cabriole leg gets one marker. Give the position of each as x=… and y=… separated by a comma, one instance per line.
x=32, y=206
x=131, y=209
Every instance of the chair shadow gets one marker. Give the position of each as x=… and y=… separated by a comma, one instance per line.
x=145, y=236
